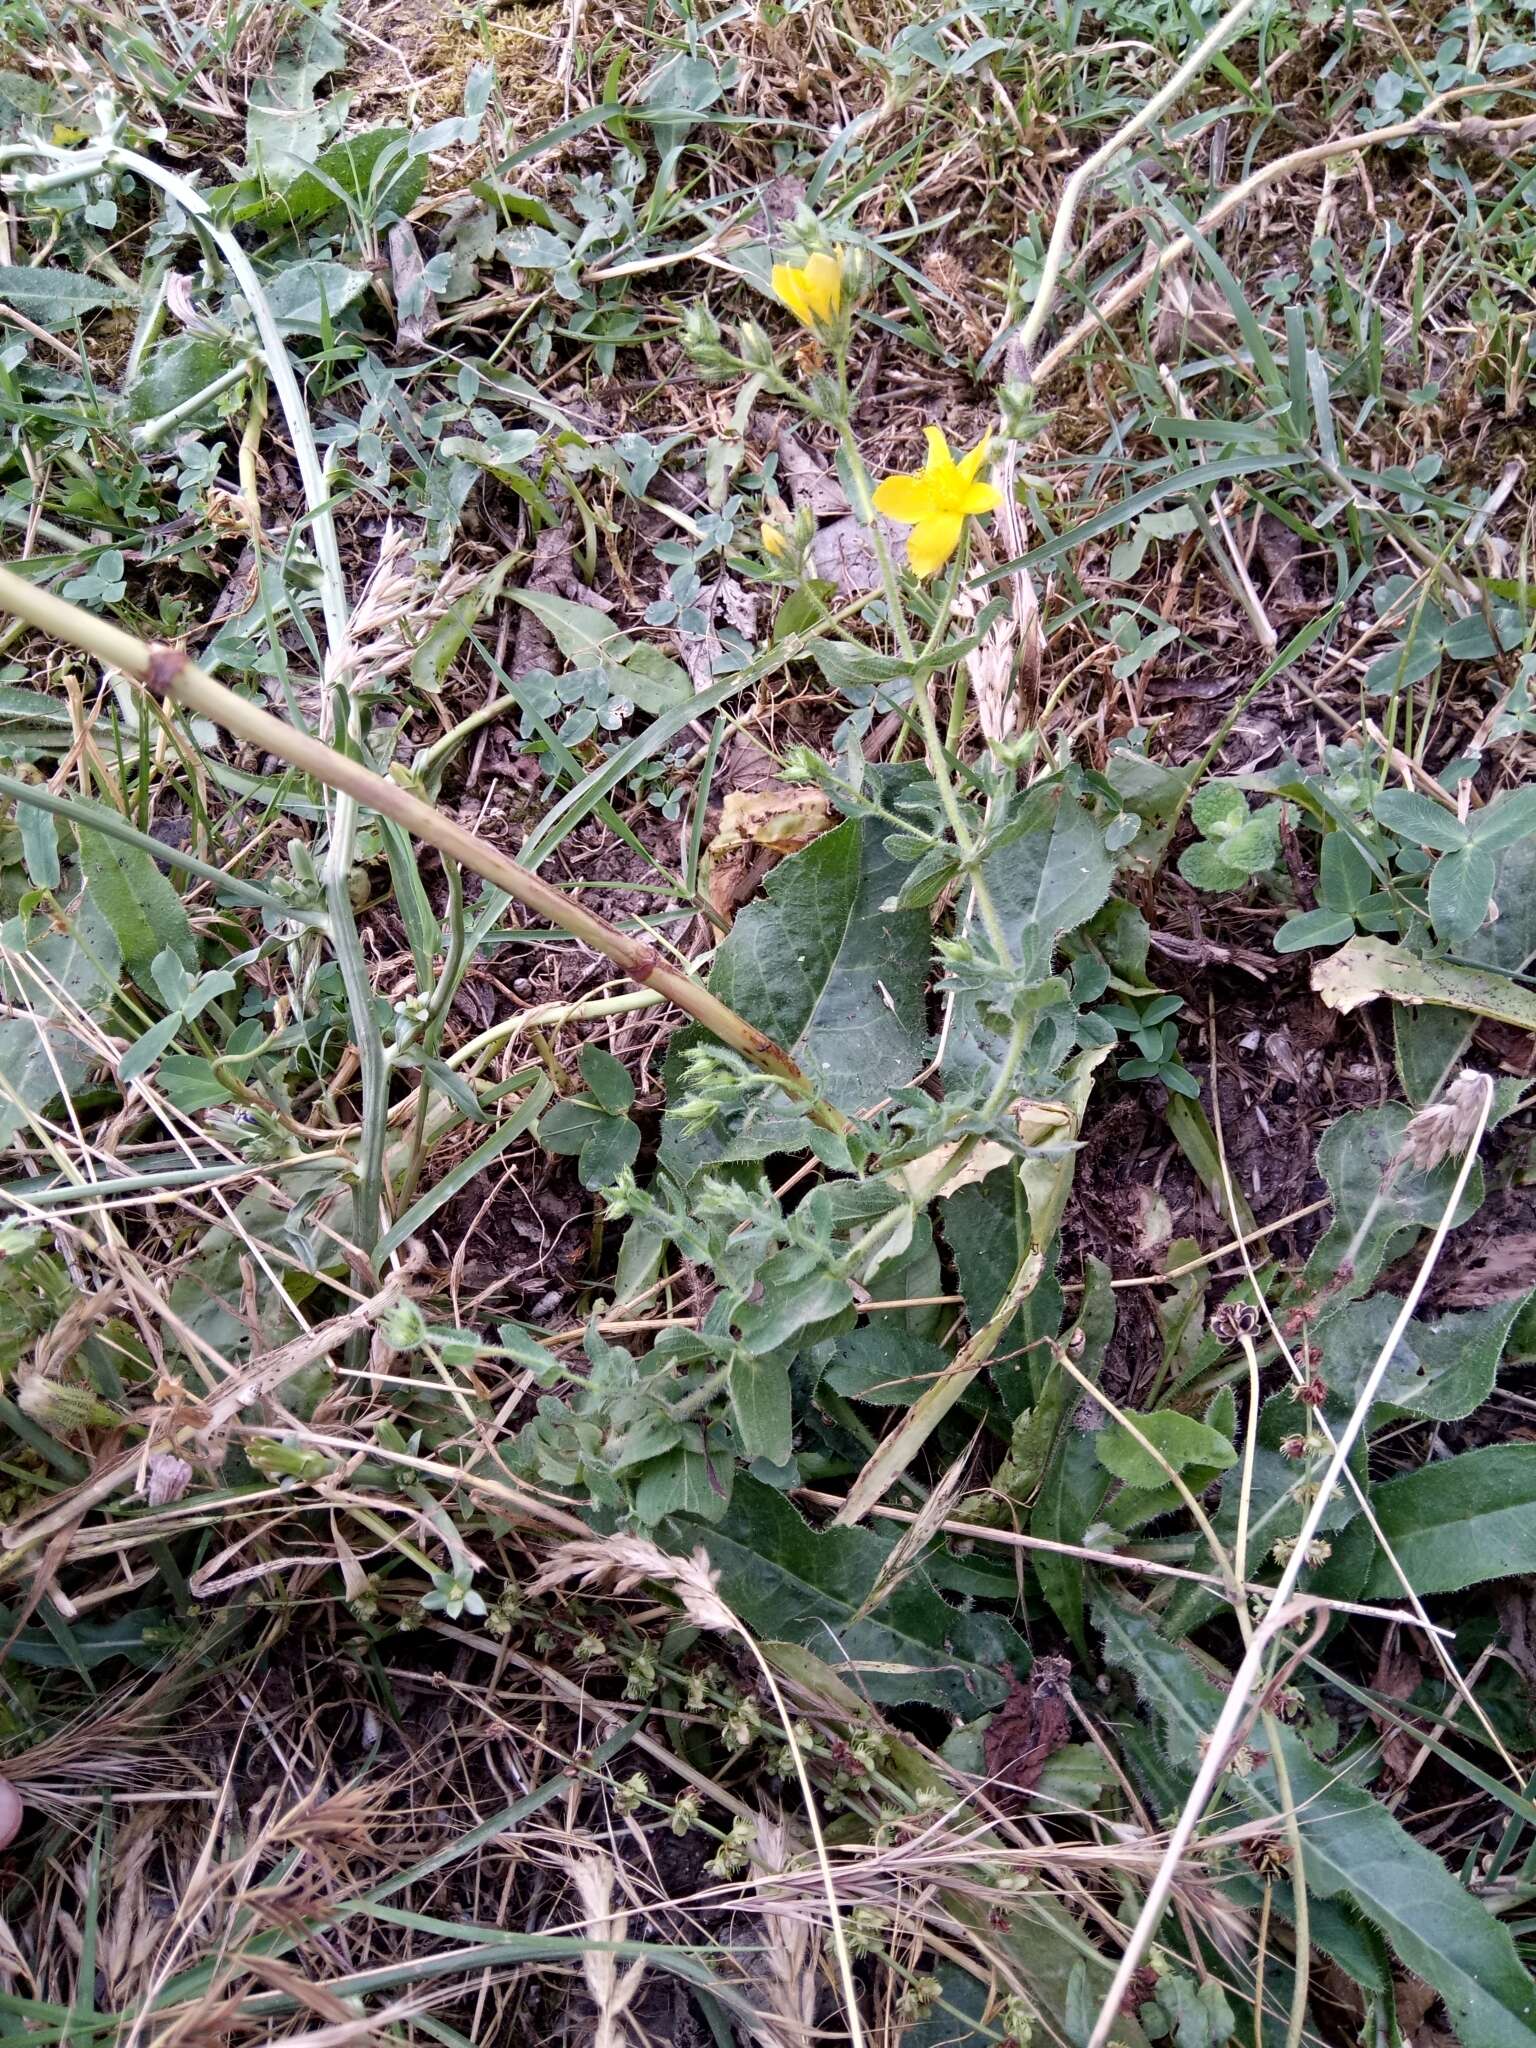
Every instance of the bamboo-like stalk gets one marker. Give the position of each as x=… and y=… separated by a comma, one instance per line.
x=166, y=673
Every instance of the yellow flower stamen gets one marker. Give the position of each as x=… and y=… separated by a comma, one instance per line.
x=937, y=500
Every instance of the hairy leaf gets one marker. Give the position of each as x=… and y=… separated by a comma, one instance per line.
x=1457, y=1523
x=144, y=911
x=791, y=1582
x=1351, y=1844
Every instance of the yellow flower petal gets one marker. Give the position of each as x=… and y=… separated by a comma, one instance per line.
x=775, y=540
x=939, y=457
x=968, y=465
x=789, y=289
x=823, y=282
x=980, y=498
x=933, y=541
x=907, y=498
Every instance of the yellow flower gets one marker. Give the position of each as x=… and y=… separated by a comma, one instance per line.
x=775, y=540
x=937, y=501
x=813, y=291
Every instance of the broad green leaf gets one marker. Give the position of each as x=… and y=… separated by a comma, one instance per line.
x=884, y=1364
x=1182, y=1441
x=174, y=372
x=284, y=128
x=147, y=1048
x=986, y=1227
x=77, y=969
x=1049, y=873
x=759, y=1390
x=684, y=1482
x=1508, y=817
x=1431, y=1039
x=306, y=295
x=1420, y=819
x=789, y=1581
x=820, y=964
x=1379, y=1203
x=53, y=298
x=566, y=1125
x=1218, y=809
x=608, y=1079
x=1352, y=1846
x=1459, y=1522
x=1075, y=1483
x=1202, y=867
x=1442, y=1369
x=1460, y=885
x=144, y=911
x=611, y=1145
x=588, y=637
x=1314, y=928
x=372, y=174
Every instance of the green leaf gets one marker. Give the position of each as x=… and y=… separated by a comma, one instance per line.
x=608, y=1079
x=759, y=1390
x=987, y=1229
x=1075, y=1483
x=1508, y=817
x=586, y=636
x=1441, y=1369
x=1203, y=868
x=144, y=911
x=566, y=1125
x=373, y=173
x=1460, y=885
x=78, y=968
x=54, y=298
x=173, y=372
x=1420, y=819
x=1257, y=846
x=1048, y=873
x=790, y=1582
x=1314, y=928
x=834, y=976
x=1431, y=1039
x=611, y=1145
x=1458, y=1523
x=147, y=1048
x=1345, y=880
x=1352, y=1846
x=1218, y=809
x=284, y=129
x=684, y=1482
x=307, y=295
x=1379, y=1204
x=1180, y=1438
x=884, y=1364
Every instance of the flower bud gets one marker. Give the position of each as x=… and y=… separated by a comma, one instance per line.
x=754, y=345
x=60, y=1409
x=274, y=1459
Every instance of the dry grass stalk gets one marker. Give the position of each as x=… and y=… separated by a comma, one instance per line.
x=611, y=1989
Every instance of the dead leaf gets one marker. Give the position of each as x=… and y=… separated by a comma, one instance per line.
x=415, y=306
x=1516, y=1603
x=1366, y=968
x=1030, y=1726
x=757, y=829
x=1397, y=1675
x=726, y=599
x=811, y=486
x=1038, y=1123
x=1501, y=1267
